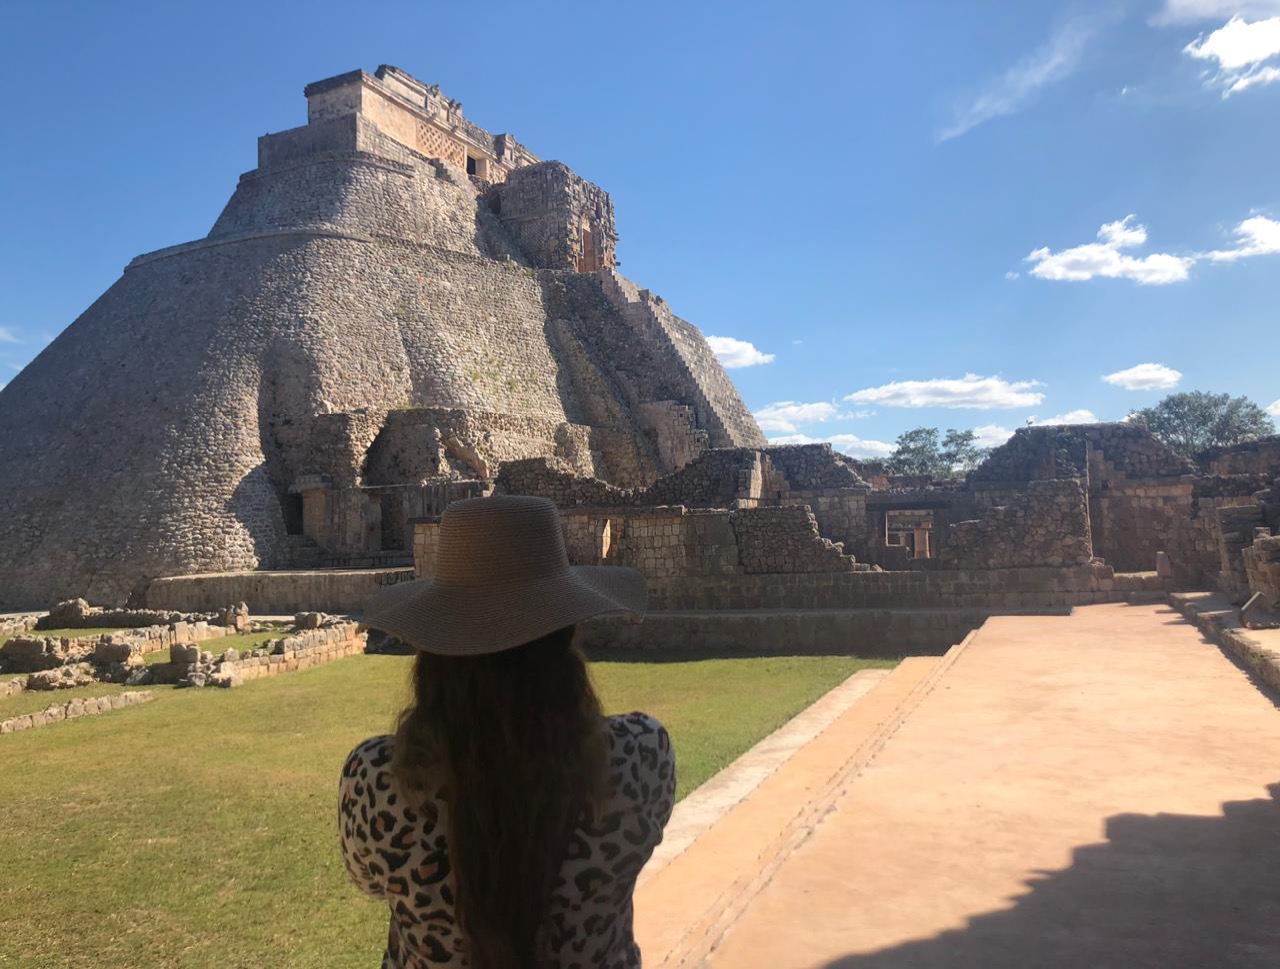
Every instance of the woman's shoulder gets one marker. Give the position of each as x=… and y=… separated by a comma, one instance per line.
x=641, y=737
x=638, y=727
x=373, y=754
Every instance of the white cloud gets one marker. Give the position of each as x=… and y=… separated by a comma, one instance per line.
x=971, y=390
x=1080, y=416
x=1255, y=236
x=1055, y=59
x=733, y=353
x=8, y=336
x=1194, y=11
x=1258, y=236
x=1274, y=408
x=991, y=435
x=785, y=416
x=1241, y=49
x=1145, y=376
x=1104, y=258
x=850, y=444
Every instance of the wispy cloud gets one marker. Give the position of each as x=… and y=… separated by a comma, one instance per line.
x=850, y=444
x=1057, y=58
x=1246, y=54
x=734, y=354
x=969, y=391
x=8, y=336
x=1145, y=376
x=1274, y=408
x=1081, y=416
x=991, y=435
x=786, y=416
x=1197, y=11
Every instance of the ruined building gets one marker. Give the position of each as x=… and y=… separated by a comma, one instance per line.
x=393, y=303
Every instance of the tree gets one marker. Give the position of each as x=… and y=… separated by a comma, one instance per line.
x=1193, y=421
x=921, y=452
x=960, y=451
x=917, y=452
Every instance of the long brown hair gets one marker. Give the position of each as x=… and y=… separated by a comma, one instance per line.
x=517, y=742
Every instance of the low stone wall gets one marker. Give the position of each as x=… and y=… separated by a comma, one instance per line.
x=1262, y=568
x=190, y=666
x=1216, y=618
x=17, y=625
x=78, y=614
x=864, y=632
x=74, y=710
x=957, y=589
x=340, y=591
x=13, y=687
x=31, y=653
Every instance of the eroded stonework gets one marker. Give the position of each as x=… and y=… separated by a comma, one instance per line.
x=393, y=303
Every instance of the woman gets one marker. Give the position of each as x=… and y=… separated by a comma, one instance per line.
x=507, y=819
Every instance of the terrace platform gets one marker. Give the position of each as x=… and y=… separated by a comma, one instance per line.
x=1100, y=789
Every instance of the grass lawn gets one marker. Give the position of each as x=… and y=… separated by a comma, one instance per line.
x=199, y=830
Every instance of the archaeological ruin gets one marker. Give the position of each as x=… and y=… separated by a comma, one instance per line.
x=397, y=309
x=393, y=303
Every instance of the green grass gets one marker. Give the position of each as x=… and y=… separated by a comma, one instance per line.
x=199, y=830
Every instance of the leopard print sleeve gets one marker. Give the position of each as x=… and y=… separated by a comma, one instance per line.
x=655, y=766
x=364, y=776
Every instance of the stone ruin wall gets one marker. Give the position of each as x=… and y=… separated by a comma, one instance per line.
x=1047, y=525
x=1261, y=457
x=1262, y=570
x=675, y=541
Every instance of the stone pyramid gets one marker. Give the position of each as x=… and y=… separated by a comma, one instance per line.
x=391, y=304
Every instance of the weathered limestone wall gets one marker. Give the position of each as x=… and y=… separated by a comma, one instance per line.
x=1262, y=569
x=559, y=220
x=867, y=632
x=1138, y=489
x=786, y=539
x=971, y=589
x=1047, y=525
x=673, y=541
x=337, y=591
x=1253, y=457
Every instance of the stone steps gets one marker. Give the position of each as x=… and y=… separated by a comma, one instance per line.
x=688, y=903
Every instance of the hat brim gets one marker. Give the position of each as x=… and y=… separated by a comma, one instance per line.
x=472, y=621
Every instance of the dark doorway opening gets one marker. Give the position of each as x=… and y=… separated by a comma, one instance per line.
x=291, y=507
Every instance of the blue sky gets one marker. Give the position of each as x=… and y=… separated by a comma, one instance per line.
x=952, y=214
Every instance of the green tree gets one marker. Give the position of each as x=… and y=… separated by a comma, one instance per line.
x=1193, y=421
x=923, y=451
x=918, y=451
x=960, y=451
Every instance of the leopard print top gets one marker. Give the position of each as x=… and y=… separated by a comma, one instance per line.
x=401, y=855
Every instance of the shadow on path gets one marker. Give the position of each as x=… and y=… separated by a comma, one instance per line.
x=1164, y=891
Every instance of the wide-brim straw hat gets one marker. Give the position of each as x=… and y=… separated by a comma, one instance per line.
x=501, y=578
